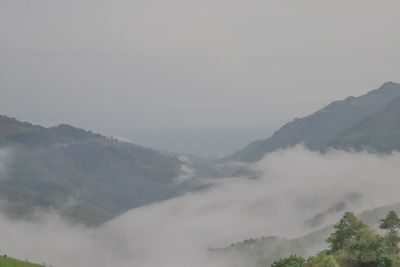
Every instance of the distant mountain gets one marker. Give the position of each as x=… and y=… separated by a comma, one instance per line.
x=86, y=176
x=319, y=129
x=377, y=133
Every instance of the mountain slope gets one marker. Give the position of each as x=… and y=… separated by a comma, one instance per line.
x=85, y=176
x=379, y=132
x=319, y=128
x=261, y=252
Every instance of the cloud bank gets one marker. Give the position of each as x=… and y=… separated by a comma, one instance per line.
x=6, y=157
x=294, y=186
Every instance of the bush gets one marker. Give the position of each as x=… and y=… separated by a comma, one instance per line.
x=322, y=260
x=291, y=261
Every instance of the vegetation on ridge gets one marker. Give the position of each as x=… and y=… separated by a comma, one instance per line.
x=262, y=252
x=340, y=124
x=355, y=244
x=85, y=176
x=378, y=133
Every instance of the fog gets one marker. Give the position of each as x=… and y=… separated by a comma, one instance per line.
x=293, y=186
x=6, y=156
x=205, y=77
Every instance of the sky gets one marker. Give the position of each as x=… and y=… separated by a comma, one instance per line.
x=204, y=77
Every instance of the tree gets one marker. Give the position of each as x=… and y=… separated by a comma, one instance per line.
x=291, y=261
x=391, y=223
x=354, y=244
x=322, y=260
x=367, y=249
x=348, y=228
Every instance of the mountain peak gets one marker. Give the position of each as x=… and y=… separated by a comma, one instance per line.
x=390, y=83
x=74, y=132
x=389, y=86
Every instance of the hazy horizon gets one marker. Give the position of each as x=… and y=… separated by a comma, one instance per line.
x=186, y=76
x=178, y=231
x=204, y=78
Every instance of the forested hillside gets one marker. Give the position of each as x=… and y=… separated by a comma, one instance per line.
x=319, y=129
x=355, y=244
x=264, y=251
x=82, y=175
x=378, y=133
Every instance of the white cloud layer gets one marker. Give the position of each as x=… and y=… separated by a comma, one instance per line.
x=294, y=186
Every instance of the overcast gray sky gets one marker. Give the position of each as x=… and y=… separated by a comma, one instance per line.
x=203, y=76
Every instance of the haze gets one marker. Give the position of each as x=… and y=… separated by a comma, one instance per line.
x=177, y=232
x=190, y=76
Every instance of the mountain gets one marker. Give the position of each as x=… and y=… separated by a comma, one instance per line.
x=261, y=252
x=85, y=176
x=377, y=133
x=319, y=129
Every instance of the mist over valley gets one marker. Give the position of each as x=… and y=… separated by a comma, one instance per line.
x=199, y=133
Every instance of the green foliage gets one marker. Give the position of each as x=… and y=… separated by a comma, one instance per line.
x=348, y=228
x=391, y=223
x=264, y=251
x=291, y=261
x=322, y=260
x=355, y=244
x=10, y=262
x=367, y=249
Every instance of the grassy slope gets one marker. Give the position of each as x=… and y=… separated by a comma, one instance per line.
x=10, y=262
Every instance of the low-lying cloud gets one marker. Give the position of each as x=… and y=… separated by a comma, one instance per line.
x=6, y=156
x=294, y=186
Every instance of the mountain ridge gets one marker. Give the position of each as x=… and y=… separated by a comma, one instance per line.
x=379, y=133
x=83, y=175
x=317, y=130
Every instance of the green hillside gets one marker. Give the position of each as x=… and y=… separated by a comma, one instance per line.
x=262, y=252
x=85, y=176
x=317, y=130
x=10, y=262
x=378, y=133
x=353, y=243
